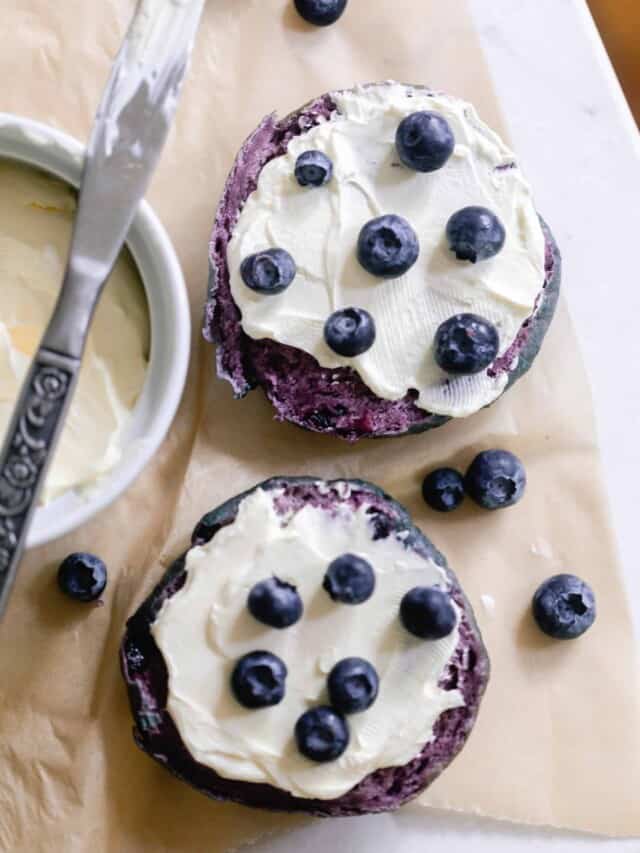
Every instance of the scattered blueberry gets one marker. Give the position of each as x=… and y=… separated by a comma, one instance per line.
x=425, y=141
x=350, y=579
x=82, y=576
x=320, y=12
x=388, y=246
x=443, y=489
x=313, y=169
x=258, y=680
x=466, y=344
x=496, y=479
x=268, y=272
x=353, y=685
x=427, y=612
x=475, y=234
x=564, y=607
x=322, y=734
x=275, y=603
x=350, y=331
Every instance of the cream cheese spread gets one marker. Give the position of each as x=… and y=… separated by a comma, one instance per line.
x=36, y=218
x=205, y=627
x=320, y=227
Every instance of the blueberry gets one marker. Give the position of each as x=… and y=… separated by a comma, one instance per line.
x=466, y=344
x=388, y=246
x=496, y=479
x=425, y=141
x=322, y=734
x=350, y=579
x=564, y=607
x=82, y=576
x=443, y=489
x=275, y=603
x=320, y=12
x=313, y=168
x=258, y=680
x=475, y=234
x=353, y=685
x=350, y=331
x=268, y=272
x=427, y=612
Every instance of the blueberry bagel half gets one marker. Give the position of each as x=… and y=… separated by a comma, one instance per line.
x=377, y=264
x=311, y=652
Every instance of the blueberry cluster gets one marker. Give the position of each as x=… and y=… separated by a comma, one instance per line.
x=564, y=606
x=496, y=479
x=388, y=247
x=259, y=678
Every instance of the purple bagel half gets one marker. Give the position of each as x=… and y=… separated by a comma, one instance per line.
x=327, y=400
x=145, y=672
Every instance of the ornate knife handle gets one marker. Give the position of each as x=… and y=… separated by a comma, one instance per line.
x=28, y=448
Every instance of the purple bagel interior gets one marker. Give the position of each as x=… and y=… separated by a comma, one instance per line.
x=302, y=392
x=146, y=676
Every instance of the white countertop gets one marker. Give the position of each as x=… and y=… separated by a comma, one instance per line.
x=580, y=148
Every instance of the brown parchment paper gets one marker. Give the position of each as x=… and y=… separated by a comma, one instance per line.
x=558, y=739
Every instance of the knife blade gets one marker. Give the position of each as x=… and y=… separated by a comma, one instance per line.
x=130, y=129
x=131, y=126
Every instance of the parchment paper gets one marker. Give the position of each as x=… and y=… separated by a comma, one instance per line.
x=558, y=740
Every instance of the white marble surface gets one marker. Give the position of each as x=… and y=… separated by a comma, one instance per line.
x=580, y=148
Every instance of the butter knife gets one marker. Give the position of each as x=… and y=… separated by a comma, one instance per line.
x=128, y=135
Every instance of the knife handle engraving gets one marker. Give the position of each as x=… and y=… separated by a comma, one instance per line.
x=27, y=450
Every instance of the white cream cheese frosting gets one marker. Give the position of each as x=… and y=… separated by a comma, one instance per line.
x=319, y=227
x=36, y=218
x=206, y=627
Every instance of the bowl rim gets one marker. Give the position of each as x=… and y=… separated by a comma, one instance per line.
x=57, y=153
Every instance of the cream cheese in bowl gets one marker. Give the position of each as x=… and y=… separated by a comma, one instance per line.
x=135, y=365
x=36, y=218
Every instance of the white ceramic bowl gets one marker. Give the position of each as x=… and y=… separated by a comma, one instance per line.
x=54, y=152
